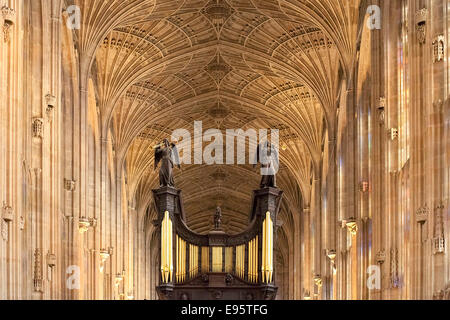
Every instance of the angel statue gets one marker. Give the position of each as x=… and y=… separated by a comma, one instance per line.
x=167, y=154
x=267, y=156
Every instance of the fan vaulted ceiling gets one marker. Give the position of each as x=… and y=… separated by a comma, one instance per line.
x=161, y=65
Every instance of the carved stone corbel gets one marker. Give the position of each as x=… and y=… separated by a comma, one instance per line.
x=7, y=218
x=51, y=105
x=84, y=224
x=352, y=226
x=7, y=213
x=422, y=214
x=318, y=280
x=8, y=16
x=421, y=25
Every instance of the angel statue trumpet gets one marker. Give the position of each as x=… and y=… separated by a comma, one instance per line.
x=267, y=156
x=167, y=154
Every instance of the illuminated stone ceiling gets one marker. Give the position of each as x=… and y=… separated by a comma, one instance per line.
x=231, y=64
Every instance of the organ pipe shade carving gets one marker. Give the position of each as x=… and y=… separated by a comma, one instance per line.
x=167, y=249
x=267, y=250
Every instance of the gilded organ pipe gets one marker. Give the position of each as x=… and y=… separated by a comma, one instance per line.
x=267, y=255
x=166, y=249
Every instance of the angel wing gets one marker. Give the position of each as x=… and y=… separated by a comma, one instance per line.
x=176, y=156
x=158, y=156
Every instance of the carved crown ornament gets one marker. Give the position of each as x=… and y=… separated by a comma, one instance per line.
x=381, y=257
x=422, y=214
x=7, y=213
x=8, y=15
x=421, y=25
x=51, y=104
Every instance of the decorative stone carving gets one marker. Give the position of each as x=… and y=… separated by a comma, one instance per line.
x=395, y=279
x=21, y=223
x=4, y=230
x=352, y=226
x=37, y=278
x=217, y=295
x=83, y=225
x=38, y=128
x=218, y=12
x=382, y=104
x=93, y=222
x=70, y=185
x=218, y=69
x=442, y=294
x=118, y=279
x=439, y=240
x=318, y=280
x=438, y=49
x=8, y=22
x=382, y=111
x=219, y=176
x=421, y=25
x=331, y=254
x=218, y=112
x=381, y=257
x=393, y=134
x=104, y=256
x=51, y=260
x=364, y=187
x=422, y=214
x=7, y=213
x=51, y=104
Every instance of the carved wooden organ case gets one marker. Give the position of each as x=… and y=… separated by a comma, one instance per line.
x=217, y=265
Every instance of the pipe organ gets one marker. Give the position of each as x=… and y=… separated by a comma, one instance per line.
x=233, y=267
